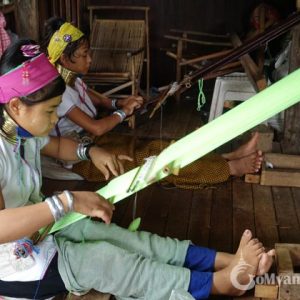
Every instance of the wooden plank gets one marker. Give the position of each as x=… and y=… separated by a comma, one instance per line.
x=179, y=214
x=144, y=197
x=283, y=261
x=252, y=178
x=289, y=286
x=221, y=219
x=294, y=250
x=280, y=177
x=158, y=211
x=287, y=221
x=267, y=291
x=289, y=292
x=120, y=211
x=199, y=227
x=279, y=160
x=265, y=218
x=255, y=76
x=286, y=170
x=243, y=210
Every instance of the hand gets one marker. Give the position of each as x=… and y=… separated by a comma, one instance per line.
x=128, y=105
x=107, y=162
x=93, y=205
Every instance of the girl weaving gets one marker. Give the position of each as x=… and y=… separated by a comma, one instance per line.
x=87, y=254
x=68, y=50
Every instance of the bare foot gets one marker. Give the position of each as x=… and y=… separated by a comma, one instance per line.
x=248, y=164
x=244, y=150
x=265, y=262
x=236, y=278
x=223, y=260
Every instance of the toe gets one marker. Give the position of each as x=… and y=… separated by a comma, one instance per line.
x=246, y=237
x=271, y=252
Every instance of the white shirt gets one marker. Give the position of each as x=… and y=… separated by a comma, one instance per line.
x=21, y=181
x=73, y=97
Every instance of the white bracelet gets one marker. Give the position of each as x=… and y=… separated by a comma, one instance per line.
x=114, y=103
x=53, y=208
x=83, y=149
x=59, y=206
x=70, y=200
x=121, y=114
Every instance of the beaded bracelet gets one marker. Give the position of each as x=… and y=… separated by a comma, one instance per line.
x=121, y=114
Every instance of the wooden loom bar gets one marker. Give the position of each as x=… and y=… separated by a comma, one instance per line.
x=247, y=47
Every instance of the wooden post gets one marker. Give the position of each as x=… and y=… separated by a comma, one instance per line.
x=28, y=18
x=291, y=141
x=178, y=66
x=147, y=54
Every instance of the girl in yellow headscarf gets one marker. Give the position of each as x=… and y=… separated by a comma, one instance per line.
x=68, y=50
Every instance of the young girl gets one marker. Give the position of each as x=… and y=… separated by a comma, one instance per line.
x=68, y=49
x=88, y=254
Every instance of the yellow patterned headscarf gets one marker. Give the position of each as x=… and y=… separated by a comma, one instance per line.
x=66, y=34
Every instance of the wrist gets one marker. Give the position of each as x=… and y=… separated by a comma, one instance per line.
x=121, y=114
x=83, y=151
x=62, y=197
x=56, y=207
x=92, y=150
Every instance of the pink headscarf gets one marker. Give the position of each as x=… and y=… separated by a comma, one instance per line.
x=27, y=78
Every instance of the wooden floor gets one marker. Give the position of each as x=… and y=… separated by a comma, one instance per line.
x=214, y=217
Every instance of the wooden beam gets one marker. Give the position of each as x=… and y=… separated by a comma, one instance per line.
x=200, y=33
x=291, y=141
x=176, y=38
x=205, y=57
x=280, y=177
x=252, y=178
x=254, y=74
x=283, y=160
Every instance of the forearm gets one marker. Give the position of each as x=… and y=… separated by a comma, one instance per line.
x=23, y=221
x=104, y=125
x=61, y=148
x=67, y=149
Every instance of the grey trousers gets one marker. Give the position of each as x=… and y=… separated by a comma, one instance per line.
x=129, y=265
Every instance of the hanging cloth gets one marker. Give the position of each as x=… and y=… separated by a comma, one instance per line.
x=4, y=37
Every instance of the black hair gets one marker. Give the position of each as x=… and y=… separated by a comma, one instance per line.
x=12, y=58
x=50, y=27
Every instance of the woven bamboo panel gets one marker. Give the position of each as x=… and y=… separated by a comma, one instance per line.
x=113, y=39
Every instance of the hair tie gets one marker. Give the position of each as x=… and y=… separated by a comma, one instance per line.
x=30, y=50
